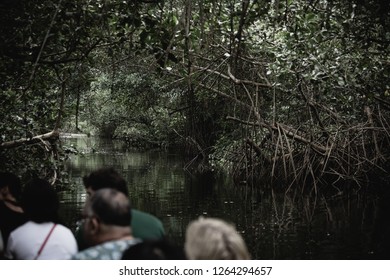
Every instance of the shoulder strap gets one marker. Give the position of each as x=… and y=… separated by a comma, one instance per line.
x=44, y=242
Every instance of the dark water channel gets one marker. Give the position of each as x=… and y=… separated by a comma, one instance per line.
x=274, y=225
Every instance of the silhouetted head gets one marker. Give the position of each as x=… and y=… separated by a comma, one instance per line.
x=40, y=201
x=105, y=178
x=154, y=250
x=10, y=184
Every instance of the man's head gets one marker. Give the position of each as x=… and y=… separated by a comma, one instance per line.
x=105, y=178
x=10, y=186
x=107, y=216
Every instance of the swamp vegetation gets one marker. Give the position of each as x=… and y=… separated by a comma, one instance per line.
x=292, y=93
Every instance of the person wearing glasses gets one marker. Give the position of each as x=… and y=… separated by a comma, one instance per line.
x=107, y=230
x=144, y=225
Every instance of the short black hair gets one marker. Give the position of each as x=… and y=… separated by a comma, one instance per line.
x=40, y=201
x=111, y=207
x=106, y=178
x=10, y=180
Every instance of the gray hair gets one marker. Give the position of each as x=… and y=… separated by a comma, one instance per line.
x=112, y=207
x=214, y=239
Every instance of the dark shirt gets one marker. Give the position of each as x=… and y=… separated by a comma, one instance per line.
x=9, y=220
x=146, y=226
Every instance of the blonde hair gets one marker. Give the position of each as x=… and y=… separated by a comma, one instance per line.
x=214, y=239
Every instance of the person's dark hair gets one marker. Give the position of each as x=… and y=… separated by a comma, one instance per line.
x=106, y=178
x=10, y=180
x=161, y=249
x=111, y=207
x=40, y=201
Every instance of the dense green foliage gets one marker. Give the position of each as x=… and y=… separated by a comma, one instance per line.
x=288, y=91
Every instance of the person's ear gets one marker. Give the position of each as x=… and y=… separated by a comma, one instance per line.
x=89, y=191
x=94, y=225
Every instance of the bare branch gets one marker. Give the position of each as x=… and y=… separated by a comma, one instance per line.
x=290, y=132
x=53, y=135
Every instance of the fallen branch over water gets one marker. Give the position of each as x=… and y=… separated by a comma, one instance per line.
x=52, y=135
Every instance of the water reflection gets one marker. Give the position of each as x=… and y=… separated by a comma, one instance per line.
x=274, y=225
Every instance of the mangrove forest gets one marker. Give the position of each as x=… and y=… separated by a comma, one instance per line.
x=288, y=101
x=293, y=94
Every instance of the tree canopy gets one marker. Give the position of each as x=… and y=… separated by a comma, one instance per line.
x=292, y=92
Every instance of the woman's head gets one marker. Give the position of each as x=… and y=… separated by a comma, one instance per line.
x=214, y=239
x=40, y=201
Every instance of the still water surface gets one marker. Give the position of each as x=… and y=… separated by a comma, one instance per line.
x=274, y=225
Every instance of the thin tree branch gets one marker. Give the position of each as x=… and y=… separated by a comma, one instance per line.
x=290, y=132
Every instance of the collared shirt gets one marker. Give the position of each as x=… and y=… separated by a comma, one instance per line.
x=110, y=250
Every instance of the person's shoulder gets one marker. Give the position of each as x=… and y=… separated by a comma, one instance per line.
x=65, y=233
x=20, y=232
x=146, y=226
x=64, y=228
x=91, y=253
x=109, y=250
x=82, y=255
x=120, y=244
x=27, y=225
